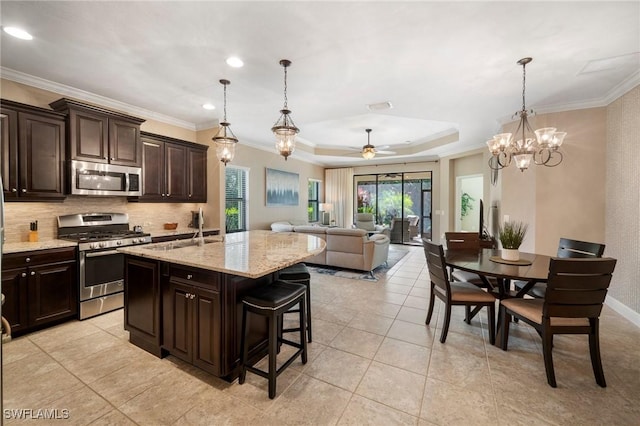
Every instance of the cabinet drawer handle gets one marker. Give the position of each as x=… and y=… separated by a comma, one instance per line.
x=24, y=274
x=14, y=190
x=186, y=295
x=189, y=276
x=28, y=259
x=24, y=190
x=33, y=273
x=193, y=296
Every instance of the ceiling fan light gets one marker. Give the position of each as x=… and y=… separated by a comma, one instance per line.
x=368, y=152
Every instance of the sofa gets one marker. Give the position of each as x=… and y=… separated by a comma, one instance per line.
x=348, y=248
x=287, y=225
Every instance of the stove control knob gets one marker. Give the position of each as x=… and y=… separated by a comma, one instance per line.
x=92, y=245
x=136, y=241
x=103, y=244
x=119, y=242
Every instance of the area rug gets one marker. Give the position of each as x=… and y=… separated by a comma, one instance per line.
x=396, y=252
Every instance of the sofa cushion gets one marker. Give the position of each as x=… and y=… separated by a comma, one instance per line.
x=281, y=227
x=309, y=229
x=347, y=231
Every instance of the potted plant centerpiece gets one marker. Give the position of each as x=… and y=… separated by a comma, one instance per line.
x=511, y=235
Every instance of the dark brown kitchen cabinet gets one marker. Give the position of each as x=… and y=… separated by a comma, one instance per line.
x=100, y=135
x=173, y=170
x=192, y=318
x=40, y=288
x=33, y=152
x=142, y=303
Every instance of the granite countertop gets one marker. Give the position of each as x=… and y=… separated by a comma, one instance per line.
x=39, y=245
x=251, y=254
x=183, y=230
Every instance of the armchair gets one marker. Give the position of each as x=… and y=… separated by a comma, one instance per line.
x=399, y=230
x=366, y=222
x=414, y=226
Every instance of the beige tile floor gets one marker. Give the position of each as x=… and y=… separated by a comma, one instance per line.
x=372, y=361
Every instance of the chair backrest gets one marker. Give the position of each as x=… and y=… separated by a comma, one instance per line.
x=576, y=288
x=462, y=240
x=437, y=266
x=365, y=221
x=576, y=249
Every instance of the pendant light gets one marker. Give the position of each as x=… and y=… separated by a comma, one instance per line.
x=525, y=146
x=368, y=151
x=225, y=140
x=284, y=129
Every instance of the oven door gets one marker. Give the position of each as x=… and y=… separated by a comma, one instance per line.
x=101, y=273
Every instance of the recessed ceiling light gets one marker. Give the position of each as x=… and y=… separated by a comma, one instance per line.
x=235, y=62
x=18, y=33
x=208, y=106
x=379, y=106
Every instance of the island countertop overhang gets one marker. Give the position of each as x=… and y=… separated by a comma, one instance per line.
x=251, y=254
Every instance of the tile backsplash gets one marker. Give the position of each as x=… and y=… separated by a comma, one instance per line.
x=151, y=216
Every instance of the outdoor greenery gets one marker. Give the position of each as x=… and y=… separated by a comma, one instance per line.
x=466, y=204
x=512, y=234
x=232, y=219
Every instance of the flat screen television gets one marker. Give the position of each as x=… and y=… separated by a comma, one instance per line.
x=481, y=224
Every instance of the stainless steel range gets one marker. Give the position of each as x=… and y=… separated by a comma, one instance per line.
x=101, y=267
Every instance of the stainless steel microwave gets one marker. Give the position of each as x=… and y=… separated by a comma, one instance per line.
x=102, y=179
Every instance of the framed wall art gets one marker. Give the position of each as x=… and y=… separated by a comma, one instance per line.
x=283, y=188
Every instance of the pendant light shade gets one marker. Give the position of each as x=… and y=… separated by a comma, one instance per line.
x=224, y=139
x=284, y=129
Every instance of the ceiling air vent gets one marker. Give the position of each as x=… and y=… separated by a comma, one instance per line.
x=379, y=106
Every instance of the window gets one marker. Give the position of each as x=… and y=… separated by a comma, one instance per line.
x=314, y=198
x=236, y=199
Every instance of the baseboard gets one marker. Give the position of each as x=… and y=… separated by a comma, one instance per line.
x=623, y=310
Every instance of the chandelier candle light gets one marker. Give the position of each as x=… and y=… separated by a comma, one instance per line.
x=368, y=151
x=224, y=139
x=284, y=129
x=522, y=147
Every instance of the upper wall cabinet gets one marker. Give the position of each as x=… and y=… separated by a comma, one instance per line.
x=32, y=152
x=173, y=170
x=100, y=135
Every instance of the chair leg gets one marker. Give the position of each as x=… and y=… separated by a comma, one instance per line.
x=445, y=326
x=547, y=347
x=303, y=325
x=309, y=311
x=467, y=314
x=273, y=351
x=243, y=348
x=491, y=311
x=432, y=297
x=594, y=349
x=504, y=321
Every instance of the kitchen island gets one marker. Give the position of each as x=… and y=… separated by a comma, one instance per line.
x=184, y=297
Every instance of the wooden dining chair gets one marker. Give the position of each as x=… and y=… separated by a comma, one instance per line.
x=453, y=293
x=576, y=289
x=567, y=249
x=465, y=241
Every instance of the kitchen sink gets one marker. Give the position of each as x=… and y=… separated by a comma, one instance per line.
x=191, y=242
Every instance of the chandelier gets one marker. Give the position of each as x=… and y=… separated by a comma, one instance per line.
x=224, y=139
x=284, y=129
x=522, y=147
x=368, y=151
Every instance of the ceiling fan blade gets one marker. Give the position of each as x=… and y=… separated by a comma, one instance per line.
x=385, y=152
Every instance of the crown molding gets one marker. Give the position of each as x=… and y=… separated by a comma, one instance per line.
x=72, y=92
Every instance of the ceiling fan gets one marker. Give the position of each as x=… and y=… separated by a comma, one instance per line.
x=369, y=151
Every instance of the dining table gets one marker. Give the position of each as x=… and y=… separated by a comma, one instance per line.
x=531, y=268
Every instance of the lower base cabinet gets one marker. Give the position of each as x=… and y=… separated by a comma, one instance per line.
x=40, y=288
x=191, y=324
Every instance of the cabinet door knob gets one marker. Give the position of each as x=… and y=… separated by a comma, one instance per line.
x=28, y=259
x=33, y=273
x=162, y=195
x=24, y=190
x=14, y=190
x=24, y=274
x=186, y=295
x=105, y=157
x=189, y=195
x=112, y=158
x=189, y=276
x=168, y=195
x=193, y=296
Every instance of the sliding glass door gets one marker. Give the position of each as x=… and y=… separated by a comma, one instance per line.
x=401, y=201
